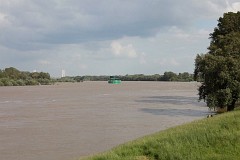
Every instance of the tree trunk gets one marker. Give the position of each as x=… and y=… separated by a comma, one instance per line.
x=231, y=106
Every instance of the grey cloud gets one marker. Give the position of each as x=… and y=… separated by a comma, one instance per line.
x=34, y=24
x=75, y=35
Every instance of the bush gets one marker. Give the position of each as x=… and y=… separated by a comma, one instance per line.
x=44, y=81
x=13, y=77
x=21, y=82
x=6, y=82
x=14, y=82
x=31, y=82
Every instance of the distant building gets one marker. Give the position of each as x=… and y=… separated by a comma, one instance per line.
x=63, y=73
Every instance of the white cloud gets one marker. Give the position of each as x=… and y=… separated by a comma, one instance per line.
x=178, y=33
x=142, y=58
x=123, y=51
x=233, y=7
x=174, y=62
x=166, y=62
x=82, y=66
x=44, y=62
x=3, y=20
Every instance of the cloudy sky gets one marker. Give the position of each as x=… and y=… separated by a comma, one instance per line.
x=107, y=37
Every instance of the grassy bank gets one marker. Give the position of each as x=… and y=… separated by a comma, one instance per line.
x=217, y=137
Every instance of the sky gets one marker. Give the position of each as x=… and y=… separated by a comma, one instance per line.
x=107, y=37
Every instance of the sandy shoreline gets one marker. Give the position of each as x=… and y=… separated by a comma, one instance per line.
x=66, y=121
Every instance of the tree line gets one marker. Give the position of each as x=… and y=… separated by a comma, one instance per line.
x=13, y=77
x=167, y=76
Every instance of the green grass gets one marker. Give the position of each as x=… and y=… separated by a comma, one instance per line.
x=212, y=138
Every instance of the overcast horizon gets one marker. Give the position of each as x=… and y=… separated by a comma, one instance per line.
x=91, y=37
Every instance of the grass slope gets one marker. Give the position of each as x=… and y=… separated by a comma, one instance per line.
x=211, y=138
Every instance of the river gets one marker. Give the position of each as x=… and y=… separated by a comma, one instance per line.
x=71, y=120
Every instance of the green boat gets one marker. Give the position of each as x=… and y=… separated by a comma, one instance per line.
x=114, y=80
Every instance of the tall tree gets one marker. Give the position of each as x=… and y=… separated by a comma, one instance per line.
x=12, y=72
x=219, y=69
x=169, y=76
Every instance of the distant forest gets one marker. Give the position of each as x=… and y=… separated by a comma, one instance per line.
x=167, y=76
x=13, y=77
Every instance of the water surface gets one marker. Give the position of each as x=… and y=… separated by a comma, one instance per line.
x=67, y=121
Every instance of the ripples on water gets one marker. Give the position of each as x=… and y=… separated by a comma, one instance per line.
x=68, y=121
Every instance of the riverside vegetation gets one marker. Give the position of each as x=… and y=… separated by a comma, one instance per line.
x=211, y=138
x=13, y=77
x=167, y=76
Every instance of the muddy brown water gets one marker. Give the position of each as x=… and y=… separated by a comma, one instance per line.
x=71, y=120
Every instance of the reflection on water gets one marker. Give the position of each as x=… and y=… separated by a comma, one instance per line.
x=67, y=121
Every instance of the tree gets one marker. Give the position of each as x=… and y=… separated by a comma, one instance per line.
x=13, y=77
x=44, y=75
x=169, y=76
x=12, y=73
x=219, y=69
x=1, y=74
x=185, y=77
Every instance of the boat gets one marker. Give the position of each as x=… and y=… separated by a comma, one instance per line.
x=114, y=80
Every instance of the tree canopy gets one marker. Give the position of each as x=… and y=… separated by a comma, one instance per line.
x=13, y=77
x=219, y=68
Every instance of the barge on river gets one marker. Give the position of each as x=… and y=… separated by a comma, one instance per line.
x=114, y=80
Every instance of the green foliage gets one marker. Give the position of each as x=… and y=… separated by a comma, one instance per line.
x=168, y=76
x=185, y=77
x=6, y=82
x=140, y=77
x=78, y=79
x=66, y=79
x=1, y=74
x=11, y=73
x=20, y=82
x=210, y=138
x=13, y=77
x=219, y=69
